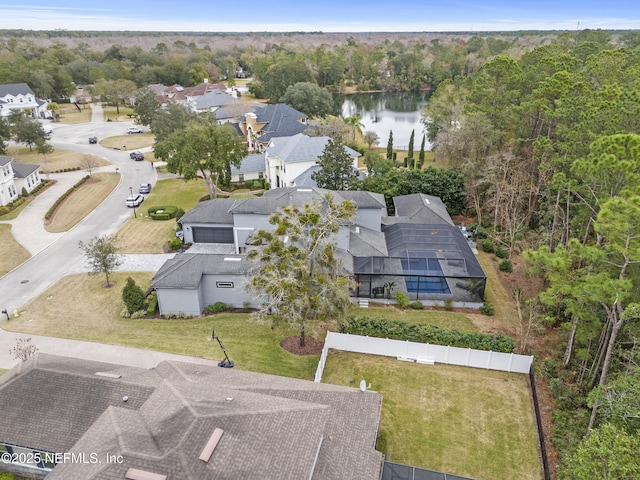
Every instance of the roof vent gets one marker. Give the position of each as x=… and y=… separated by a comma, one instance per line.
x=304, y=190
x=125, y=399
x=426, y=201
x=135, y=474
x=357, y=229
x=232, y=259
x=211, y=445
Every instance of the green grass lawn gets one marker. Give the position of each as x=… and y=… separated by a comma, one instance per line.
x=463, y=421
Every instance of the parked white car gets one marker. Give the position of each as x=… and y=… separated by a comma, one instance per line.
x=134, y=130
x=135, y=200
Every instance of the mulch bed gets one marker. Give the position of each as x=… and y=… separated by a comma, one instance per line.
x=312, y=346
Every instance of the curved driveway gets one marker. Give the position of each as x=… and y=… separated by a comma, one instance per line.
x=57, y=255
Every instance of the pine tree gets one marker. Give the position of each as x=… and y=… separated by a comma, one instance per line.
x=421, y=154
x=410, y=152
x=390, y=146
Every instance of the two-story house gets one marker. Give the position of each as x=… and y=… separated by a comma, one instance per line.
x=14, y=176
x=19, y=96
x=419, y=250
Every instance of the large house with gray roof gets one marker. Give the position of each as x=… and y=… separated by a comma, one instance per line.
x=418, y=251
x=258, y=128
x=67, y=418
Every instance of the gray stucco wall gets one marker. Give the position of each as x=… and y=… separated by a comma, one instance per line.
x=176, y=300
x=213, y=291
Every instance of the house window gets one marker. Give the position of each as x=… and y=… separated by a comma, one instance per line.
x=260, y=174
x=241, y=177
x=224, y=284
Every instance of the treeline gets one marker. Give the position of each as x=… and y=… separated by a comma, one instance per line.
x=391, y=64
x=549, y=146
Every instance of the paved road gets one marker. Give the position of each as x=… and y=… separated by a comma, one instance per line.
x=55, y=255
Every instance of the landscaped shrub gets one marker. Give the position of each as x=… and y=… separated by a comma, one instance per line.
x=133, y=296
x=487, y=245
x=501, y=252
x=448, y=304
x=402, y=299
x=153, y=305
x=24, y=192
x=487, y=309
x=55, y=205
x=399, y=330
x=506, y=266
x=164, y=212
x=175, y=244
x=417, y=305
x=216, y=308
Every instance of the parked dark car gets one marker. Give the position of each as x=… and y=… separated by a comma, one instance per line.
x=93, y=139
x=144, y=188
x=134, y=201
x=137, y=156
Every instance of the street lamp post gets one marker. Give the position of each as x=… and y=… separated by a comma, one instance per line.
x=133, y=202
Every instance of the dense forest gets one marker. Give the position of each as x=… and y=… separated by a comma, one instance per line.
x=541, y=128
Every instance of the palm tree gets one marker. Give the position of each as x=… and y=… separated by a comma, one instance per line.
x=354, y=121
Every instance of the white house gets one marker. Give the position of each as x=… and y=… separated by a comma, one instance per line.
x=288, y=160
x=19, y=96
x=14, y=176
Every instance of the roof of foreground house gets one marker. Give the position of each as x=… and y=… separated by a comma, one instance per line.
x=186, y=270
x=272, y=427
x=419, y=208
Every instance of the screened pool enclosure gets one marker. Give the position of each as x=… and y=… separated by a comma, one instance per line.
x=427, y=262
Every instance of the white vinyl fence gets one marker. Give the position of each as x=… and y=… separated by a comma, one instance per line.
x=423, y=353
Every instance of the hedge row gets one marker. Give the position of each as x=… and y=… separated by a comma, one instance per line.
x=49, y=214
x=398, y=330
x=165, y=213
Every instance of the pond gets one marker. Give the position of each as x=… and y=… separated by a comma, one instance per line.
x=384, y=112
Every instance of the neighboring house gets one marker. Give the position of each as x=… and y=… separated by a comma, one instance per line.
x=226, y=108
x=251, y=168
x=258, y=128
x=183, y=421
x=183, y=95
x=419, y=251
x=289, y=161
x=14, y=176
x=19, y=96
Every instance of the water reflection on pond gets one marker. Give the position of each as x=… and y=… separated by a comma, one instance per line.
x=380, y=112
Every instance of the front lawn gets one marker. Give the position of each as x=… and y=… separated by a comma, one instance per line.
x=12, y=253
x=463, y=421
x=79, y=307
x=129, y=141
x=141, y=234
x=56, y=161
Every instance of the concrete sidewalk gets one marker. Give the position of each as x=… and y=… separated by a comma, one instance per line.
x=100, y=352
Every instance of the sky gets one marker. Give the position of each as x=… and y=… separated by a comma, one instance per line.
x=320, y=15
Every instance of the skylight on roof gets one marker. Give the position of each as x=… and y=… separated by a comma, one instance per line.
x=426, y=201
x=135, y=474
x=211, y=445
x=232, y=259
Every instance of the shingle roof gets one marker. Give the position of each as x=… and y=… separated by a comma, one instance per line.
x=186, y=270
x=419, y=208
x=15, y=89
x=274, y=199
x=274, y=427
x=250, y=164
x=305, y=179
x=210, y=211
x=4, y=160
x=281, y=120
x=301, y=148
x=215, y=98
x=23, y=170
